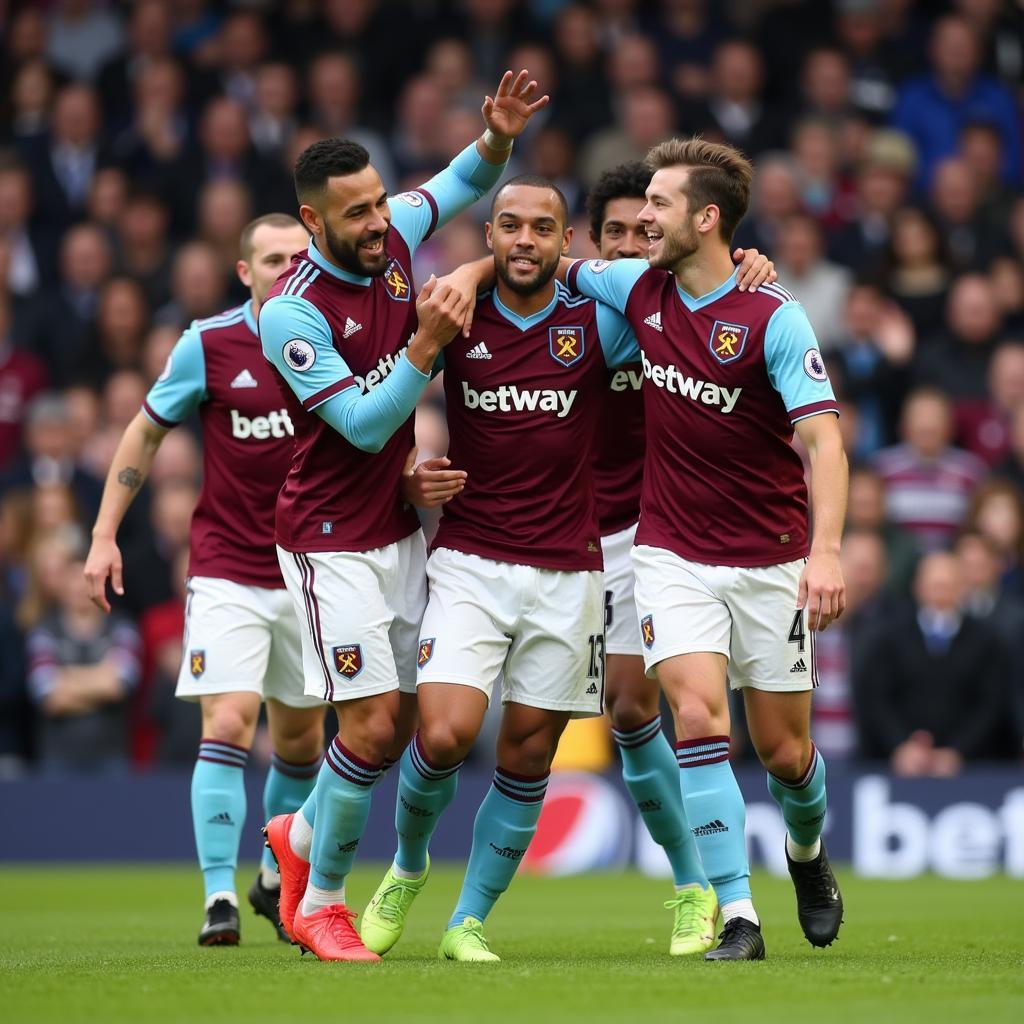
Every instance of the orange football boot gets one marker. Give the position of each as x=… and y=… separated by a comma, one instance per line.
x=294, y=870
x=330, y=934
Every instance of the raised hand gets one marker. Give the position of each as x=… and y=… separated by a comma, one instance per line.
x=507, y=113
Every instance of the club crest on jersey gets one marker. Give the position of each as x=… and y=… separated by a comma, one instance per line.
x=348, y=660
x=647, y=631
x=566, y=344
x=299, y=355
x=197, y=663
x=727, y=341
x=396, y=282
x=426, y=652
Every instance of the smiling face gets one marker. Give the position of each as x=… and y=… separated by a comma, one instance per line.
x=272, y=250
x=351, y=221
x=528, y=236
x=622, y=235
x=672, y=228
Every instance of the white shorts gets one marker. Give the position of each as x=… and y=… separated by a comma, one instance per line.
x=540, y=628
x=620, y=618
x=241, y=639
x=747, y=614
x=360, y=613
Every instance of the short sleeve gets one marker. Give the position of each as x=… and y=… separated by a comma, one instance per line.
x=617, y=338
x=297, y=341
x=181, y=387
x=607, y=281
x=795, y=367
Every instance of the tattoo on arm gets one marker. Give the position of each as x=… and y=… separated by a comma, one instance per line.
x=130, y=477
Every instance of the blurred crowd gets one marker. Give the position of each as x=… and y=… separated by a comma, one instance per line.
x=137, y=139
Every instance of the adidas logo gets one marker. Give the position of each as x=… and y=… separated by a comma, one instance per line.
x=220, y=819
x=592, y=688
x=244, y=380
x=351, y=327
x=800, y=666
x=654, y=320
x=711, y=828
x=478, y=352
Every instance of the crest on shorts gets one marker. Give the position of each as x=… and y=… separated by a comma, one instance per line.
x=348, y=660
x=566, y=344
x=197, y=663
x=396, y=282
x=426, y=652
x=647, y=631
x=728, y=341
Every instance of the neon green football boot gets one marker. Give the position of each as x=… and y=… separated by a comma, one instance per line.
x=696, y=914
x=384, y=917
x=466, y=942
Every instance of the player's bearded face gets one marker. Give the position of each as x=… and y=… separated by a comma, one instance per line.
x=672, y=241
x=364, y=253
x=523, y=280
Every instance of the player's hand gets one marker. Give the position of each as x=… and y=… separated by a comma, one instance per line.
x=822, y=590
x=104, y=561
x=755, y=269
x=464, y=281
x=431, y=483
x=441, y=311
x=512, y=106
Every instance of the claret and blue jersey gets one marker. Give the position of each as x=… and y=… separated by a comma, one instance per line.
x=217, y=368
x=726, y=376
x=336, y=341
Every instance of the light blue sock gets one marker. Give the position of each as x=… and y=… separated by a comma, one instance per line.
x=651, y=774
x=218, y=812
x=717, y=814
x=343, y=791
x=424, y=791
x=287, y=786
x=802, y=802
x=504, y=826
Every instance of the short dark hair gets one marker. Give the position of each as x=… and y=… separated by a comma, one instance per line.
x=535, y=181
x=326, y=158
x=627, y=181
x=274, y=220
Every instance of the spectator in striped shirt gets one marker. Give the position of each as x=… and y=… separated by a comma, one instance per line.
x=928, y=482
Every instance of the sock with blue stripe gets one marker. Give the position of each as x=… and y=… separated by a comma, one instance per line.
x=504, y=826
x=802, y=802
x=287, y=787
x=717, y=816
x=651, y=774
x=343, y=791
x=424, y=791
x=218, y=814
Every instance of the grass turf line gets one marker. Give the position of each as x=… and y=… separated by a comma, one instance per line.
x=118, y=945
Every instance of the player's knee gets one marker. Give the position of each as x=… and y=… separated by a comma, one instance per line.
x=528, y=755
x=785, y=757
x=228, y=723
x=302, y=745
x=444, y=742
x=629, y=711
x=695, y=718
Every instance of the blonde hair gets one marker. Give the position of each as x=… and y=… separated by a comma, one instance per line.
x=719, y=175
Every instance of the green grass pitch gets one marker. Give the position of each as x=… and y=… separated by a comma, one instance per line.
x=117, y=945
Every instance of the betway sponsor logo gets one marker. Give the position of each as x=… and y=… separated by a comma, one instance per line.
x=275, y=424
x=511, y=399
x=383, y=368
x=703, y=391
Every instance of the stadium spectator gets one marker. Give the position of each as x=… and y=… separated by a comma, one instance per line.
x=142, y=245
x=928, y=482
x=120, y=326
x=825, y=192
x=997, y=513
x=82, y=667
x=198, y=286
x=775, y=198
x=22, y=377
x=27, y=253
x=931, y=687
x=148, y=39
x=932, y=109
x=956, y=200
x=81, y=36
x=820, y=286
x=877, y=61
x=30, y=96
x=583, y=91
x=981, y=148
x=242, y=44
x=1012, y=467
x=825, y=87
x=984, y=425
x=273, y=119
x=916, y=268
x=415, y=139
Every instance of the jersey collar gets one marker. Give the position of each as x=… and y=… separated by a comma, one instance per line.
x=250, y=320
x=524, y=323
x=724, y=288
x=342, y=275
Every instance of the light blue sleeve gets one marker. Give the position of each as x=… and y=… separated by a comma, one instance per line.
x=795, y=367
x=617, y=338
x=419, y=213
x=181, y=387
x=296, y=339
x=608, y=282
